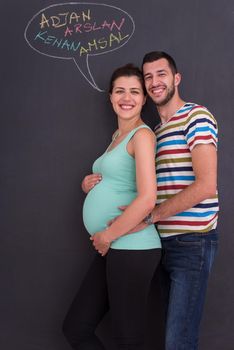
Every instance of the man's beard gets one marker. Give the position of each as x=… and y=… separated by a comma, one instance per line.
x=170, y=94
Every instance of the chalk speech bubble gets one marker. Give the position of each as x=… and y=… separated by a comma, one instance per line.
x=78, y=30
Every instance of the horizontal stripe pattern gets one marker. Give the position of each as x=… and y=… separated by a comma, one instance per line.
x=191, y=125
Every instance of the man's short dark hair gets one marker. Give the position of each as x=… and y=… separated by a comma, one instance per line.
x=157, y=55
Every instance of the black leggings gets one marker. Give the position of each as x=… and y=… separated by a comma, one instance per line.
x=120, y=283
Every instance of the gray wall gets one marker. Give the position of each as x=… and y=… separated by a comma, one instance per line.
x=54, y=124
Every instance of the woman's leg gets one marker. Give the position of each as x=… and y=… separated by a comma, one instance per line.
x=88, y=308
x=129, y=274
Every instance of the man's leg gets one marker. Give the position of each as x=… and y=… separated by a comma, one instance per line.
x=129, y=274
x=88, y=308
x=188, y=260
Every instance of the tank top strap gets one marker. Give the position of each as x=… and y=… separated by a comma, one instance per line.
x=133, y=131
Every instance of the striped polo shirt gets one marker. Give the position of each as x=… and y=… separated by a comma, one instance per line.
x=190, y=125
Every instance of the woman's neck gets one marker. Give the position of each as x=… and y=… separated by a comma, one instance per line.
x=125, y=126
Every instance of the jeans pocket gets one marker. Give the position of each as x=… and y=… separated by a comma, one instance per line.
x=189, y=240
x=213, y=252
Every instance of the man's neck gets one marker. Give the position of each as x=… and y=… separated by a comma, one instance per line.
x=167, y=111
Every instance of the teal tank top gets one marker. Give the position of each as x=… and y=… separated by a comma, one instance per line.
x=117, y=187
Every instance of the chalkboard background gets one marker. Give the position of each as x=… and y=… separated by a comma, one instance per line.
x=54, y=123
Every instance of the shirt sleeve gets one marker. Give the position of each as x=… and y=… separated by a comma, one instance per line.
x=200, y=128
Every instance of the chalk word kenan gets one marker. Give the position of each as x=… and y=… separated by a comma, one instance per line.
x=94, y=45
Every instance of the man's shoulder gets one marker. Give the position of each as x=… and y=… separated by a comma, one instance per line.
x=188, y=109
x=199, y=112
x=196, y=108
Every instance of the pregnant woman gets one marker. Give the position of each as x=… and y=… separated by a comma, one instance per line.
x=119, y=277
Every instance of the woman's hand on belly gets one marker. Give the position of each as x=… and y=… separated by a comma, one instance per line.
x=101, y=242
x=90, y=181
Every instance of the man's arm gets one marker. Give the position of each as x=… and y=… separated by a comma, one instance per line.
x=204, y=161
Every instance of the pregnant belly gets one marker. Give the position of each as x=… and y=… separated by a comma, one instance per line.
x=101, y=205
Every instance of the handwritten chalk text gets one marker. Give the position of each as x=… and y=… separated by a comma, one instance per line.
x=89, y=27
x=77, y=30
x=90, y=47
x=63, y=19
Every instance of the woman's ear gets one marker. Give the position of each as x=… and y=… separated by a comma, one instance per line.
x=110, y=96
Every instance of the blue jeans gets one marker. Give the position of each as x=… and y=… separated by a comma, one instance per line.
x=187, y=260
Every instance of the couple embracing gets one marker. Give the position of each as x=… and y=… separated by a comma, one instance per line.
x=138, y=218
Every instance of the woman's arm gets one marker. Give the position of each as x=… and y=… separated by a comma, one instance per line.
x=143, y=146
x=92, y=180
